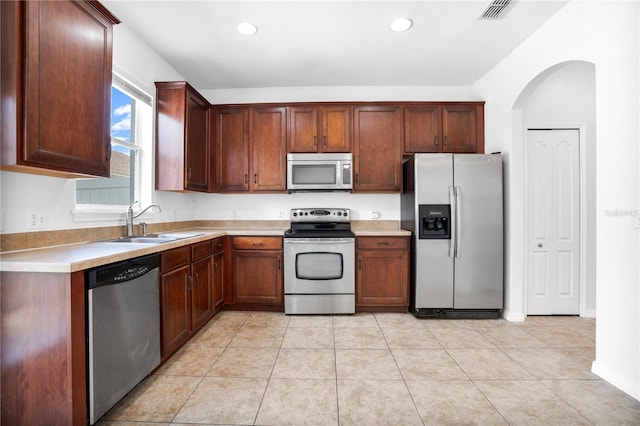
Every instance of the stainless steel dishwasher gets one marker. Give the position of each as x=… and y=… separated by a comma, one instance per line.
x=123, y=342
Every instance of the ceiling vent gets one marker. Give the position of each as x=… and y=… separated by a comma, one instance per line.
x=495, y=10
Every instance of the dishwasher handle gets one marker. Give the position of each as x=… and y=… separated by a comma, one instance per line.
x=121, y=272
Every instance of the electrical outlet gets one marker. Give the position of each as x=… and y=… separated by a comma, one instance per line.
x=281, y=214
x=375, y=215
x=37, y=219
x=235, y=214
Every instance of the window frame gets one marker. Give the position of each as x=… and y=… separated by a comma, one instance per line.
x=107, y=212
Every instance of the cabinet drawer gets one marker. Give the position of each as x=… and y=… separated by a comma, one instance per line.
x=217, y=245
x=382, y=243
x=200, y=250
x=172, y=259
x=257, y=243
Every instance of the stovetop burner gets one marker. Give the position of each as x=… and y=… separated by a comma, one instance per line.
x=320, y=223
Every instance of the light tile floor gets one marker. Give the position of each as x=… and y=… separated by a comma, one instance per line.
x=264, y=368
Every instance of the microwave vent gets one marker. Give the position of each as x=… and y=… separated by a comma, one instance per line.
x=495, y=10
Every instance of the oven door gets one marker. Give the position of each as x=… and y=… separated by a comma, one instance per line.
x=319, y=266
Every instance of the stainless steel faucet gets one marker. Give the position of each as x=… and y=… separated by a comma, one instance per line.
x=130, y=216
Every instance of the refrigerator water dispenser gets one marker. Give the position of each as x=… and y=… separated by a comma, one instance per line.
x=435, y=221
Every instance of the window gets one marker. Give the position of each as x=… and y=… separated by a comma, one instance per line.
x=130, y=134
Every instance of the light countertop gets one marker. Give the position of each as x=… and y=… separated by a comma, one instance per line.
x=78, y=257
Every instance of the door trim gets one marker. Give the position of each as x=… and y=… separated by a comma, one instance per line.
x=582, y=143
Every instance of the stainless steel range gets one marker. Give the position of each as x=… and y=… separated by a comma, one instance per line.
x=319, y=262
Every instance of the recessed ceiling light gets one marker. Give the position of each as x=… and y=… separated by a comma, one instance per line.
x=401, y=24
x=247, y=28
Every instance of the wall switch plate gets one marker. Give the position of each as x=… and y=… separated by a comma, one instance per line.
x=375, y=215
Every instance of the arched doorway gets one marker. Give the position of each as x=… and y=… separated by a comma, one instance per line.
x=559, y=211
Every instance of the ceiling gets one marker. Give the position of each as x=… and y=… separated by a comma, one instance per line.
x=331, y=43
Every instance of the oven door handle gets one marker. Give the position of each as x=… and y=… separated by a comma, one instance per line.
x=319, y=241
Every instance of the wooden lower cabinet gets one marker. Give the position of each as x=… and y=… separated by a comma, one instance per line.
x=186, y=294
x=257, y=272
x=42, y=358
x=382, y=274
x=217, y=247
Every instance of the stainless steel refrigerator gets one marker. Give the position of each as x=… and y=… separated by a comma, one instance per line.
x=453, y=205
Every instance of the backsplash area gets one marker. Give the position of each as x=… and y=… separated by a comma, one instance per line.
x=32, y=240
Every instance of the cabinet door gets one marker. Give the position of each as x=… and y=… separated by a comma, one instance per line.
x=67, y=88
x=201, y=292
x=175, y=311
x=257, y=276
x=336, y=129
x=269, y=149
x=218, y=281
x=197, y=144
x=232, y=149
x=383, y=278
x=460, y=129
x=422, y=129
x=378, y=149
x=303, y=129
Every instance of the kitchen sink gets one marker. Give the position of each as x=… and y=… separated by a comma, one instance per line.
x=153, y=238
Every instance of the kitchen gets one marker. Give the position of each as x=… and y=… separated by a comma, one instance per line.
x=614, y=53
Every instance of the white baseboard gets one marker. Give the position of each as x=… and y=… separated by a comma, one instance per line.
x=513, y=316
x=589, y=313
x=621, y=382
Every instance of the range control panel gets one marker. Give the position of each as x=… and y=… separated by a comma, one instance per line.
x=320, y=215
x=435, y=221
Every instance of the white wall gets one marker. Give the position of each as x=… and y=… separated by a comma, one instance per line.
x=604, y=33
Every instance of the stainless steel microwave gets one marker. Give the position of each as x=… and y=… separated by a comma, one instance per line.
x=319, y=172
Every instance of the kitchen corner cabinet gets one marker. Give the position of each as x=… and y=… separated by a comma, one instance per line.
x=382, y=275
x=183, y=156
x=186, y=294
x=257, y=272
x=377, y=149
x=454, y=128
x=319, y=128
x=56, y=87
x=250, y=147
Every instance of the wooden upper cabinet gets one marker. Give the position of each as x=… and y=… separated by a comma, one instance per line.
x=377, y=148
x=463, y=128
x=422, y=128
x=56, y=87
x=182, y=142
x=320, y=128
x=231, y=131
x=269, y=149
x=456, y=127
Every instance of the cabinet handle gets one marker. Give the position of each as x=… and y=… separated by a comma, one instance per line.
x=219, y=245
x=357, y=178
x=189, y=282
x=246, y=178
x=196, y=281
x=278, y=264
x=435, y=143
x=324, y=140
x=446, y=142
x=108, y=153
x=188, y=173
x=260, y=244
x=383, y=243
x=315, y=140
x=215, y=267
x=360, y=264
x=255, y=178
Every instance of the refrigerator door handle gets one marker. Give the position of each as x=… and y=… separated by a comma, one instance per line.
x=458, y=216
x=452, y=221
